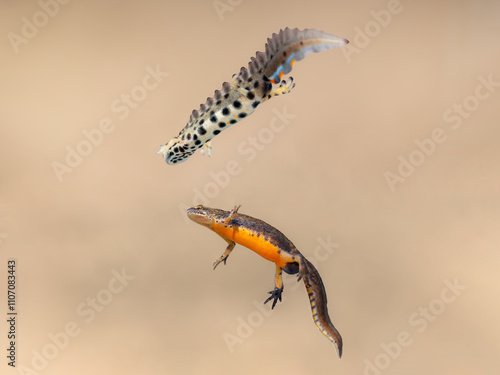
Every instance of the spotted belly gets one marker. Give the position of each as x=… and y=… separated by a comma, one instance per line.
x=211, y=123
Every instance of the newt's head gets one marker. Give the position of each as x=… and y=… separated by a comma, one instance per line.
x=204, y=215
x=210, y=217
x=176, y=151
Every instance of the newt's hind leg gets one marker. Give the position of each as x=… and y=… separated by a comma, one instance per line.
x=278, y=288
x=305, y=273
x=284, y=88
x=224, y=256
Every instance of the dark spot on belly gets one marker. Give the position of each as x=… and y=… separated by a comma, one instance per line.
x=201, y=130
x=268, y=87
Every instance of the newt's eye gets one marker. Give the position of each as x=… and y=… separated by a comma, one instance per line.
x=199, y=207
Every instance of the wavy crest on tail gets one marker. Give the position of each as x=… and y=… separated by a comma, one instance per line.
x=319, y=308
x=286, y=47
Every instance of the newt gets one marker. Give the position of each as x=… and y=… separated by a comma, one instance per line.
x=271, y=244
x=249, y=88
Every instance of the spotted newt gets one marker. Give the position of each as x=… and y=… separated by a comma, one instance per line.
x=248, y=89
x=272, y=245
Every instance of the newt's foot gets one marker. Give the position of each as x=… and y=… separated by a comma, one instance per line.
x=284, y=88
x=305, y=273
x=275, y=296
x=220, y=260
x=207, y=149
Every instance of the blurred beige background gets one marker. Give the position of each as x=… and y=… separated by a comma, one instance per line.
x=384, y=173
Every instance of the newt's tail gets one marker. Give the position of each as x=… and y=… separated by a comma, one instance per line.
x=317, y=298
x=284, y=48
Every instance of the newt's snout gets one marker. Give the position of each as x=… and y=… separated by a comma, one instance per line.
x=199, y=215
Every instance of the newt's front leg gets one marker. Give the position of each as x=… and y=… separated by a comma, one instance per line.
x=231, y=245
x=278, y=288
x=231, y=215
x=223, y=257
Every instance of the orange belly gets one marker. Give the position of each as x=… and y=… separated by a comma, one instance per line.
x=250, y=240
